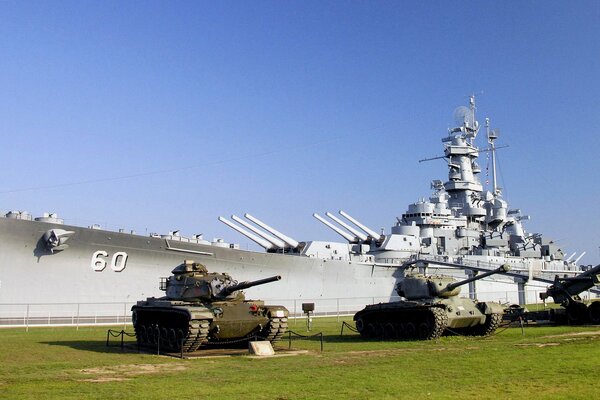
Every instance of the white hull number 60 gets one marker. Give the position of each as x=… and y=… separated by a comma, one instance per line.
x=117, y=263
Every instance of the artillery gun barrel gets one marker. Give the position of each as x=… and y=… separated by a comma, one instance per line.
x=564, y=288
x=592, y=271
x=248, y=284
x=501, y=269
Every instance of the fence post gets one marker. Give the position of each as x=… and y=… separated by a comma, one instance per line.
x=77, y=316
x=338, y=309
x=295, y=316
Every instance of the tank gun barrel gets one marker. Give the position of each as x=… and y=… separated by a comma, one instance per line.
x=247, y=284
x=502, y=269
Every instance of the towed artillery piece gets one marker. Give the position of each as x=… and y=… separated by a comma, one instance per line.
x=431, y=308
x=202, y=307
x=565, y=291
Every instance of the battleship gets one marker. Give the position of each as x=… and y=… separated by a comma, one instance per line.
x=461, y=229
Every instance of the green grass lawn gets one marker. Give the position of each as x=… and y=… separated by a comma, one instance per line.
x=547, y=362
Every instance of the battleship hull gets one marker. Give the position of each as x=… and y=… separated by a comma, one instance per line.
x=98, y=266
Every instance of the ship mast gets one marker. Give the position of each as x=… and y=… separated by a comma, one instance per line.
x=492, y=135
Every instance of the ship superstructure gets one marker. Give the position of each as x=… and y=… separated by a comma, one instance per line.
x=460, y=222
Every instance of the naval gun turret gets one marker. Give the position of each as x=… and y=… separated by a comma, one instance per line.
x=201, y=307
x=565, y=291
x=431, y=308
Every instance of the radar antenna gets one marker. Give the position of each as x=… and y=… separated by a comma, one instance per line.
x=467, y=125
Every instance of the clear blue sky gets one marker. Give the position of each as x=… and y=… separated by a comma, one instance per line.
x=169, y=114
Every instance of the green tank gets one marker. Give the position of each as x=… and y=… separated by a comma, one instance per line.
x=431, y=307
x=204, y=307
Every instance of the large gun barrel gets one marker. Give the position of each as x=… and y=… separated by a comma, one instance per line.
x=564, y=288
x=591, y=271
x=247, y=284
x=502, y=269
x=365, y=229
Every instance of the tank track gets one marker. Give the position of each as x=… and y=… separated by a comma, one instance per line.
x=403, y=324
x=171, y=327
x=275, y=329
x=492, y=322
x=197, y=335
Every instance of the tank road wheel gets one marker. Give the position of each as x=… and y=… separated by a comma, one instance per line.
x=361, y=327
x=424, y=330
x=401, y=330
x=142, y=335
x=389, y=331
x=577, y=313
x=151, y=331
x=410, y=330
x=172, y=340
x=374, y=330
x=180, y=338
x=594, y=312
x=164, y=342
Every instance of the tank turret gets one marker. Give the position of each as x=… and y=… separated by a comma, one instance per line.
x=431, y=308
x=419, y=286
x=201, y=307
x=191, y=281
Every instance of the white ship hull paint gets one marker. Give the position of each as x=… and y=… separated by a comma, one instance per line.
x=31, y=274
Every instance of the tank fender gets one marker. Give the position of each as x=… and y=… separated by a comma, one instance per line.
x=276, y=312
x=200, y=314
x=488, y=308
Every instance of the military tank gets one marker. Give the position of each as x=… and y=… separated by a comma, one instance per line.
x=432, y=307
x=201, y=307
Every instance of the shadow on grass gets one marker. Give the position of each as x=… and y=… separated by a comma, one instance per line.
x=327, y=338
x=97, y=346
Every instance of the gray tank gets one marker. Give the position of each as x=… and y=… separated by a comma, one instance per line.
x=432, y=307
x=201, y=307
